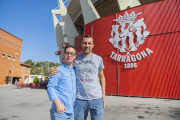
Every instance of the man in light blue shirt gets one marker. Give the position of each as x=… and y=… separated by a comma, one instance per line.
x=90, y=93
x=61, y=88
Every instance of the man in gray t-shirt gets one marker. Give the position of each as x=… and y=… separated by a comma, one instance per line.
x=90, y=93
x=87, y=70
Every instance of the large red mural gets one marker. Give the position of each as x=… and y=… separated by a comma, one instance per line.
x=140, y=48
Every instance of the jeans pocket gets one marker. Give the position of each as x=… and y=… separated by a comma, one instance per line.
x=53, y=110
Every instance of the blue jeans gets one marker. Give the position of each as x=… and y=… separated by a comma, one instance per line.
x=82, y=107
x=61, y=116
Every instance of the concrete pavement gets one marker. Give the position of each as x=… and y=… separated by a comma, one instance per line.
x=34, y=104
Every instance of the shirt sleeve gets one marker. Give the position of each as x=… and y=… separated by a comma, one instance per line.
x=101, y=65
x=51, y=90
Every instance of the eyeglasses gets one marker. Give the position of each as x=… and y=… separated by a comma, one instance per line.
x=70, y=54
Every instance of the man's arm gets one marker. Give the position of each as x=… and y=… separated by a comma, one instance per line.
x=53, y=82
x=103, y=84
x=51, y=91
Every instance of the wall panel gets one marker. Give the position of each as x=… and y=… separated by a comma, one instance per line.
x=111, y=75
x=126, y=82
x=102, y=38
x=156, y=75
x=169, y=16
x=103, y=49
x=78, y=42
x=152, y=17
x=101, y=26
x=173, y=50
x=88, y=29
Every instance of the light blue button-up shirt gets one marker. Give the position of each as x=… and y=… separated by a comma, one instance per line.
x=62, y=86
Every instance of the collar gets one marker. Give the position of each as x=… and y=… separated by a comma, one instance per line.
x=86, y=57
x=65, y=66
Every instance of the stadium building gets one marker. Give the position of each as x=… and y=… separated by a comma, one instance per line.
x=139, y=41
x=11, y=69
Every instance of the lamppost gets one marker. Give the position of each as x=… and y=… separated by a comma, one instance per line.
x=48, y=65
x=35, y=67
x=13, y=67
x=41, y=69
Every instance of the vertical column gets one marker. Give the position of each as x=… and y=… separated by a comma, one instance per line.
x=124, y=4
x=59, y=33
x=69, y=31
x=89, y=12
x=69, y=28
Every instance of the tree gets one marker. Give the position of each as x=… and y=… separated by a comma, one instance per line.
x=28, y=62
x=36, y=80
x=36, y=67
x=32, y=65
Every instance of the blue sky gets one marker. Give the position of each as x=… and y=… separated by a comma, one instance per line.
x=31, y=21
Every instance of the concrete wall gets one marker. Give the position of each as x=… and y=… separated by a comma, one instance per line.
x=103, y=7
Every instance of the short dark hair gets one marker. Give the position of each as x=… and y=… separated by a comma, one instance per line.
x=68, y=47
x=87, y=36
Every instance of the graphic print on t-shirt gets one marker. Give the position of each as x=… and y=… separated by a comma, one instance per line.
x=86, y=69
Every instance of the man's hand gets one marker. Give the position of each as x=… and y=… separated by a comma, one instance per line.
x=53, y=71
x=104, y=100
x=60, y=108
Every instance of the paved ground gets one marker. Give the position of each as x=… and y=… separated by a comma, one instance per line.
x=33, y=104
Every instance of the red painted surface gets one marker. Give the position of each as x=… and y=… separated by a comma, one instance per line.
x=64, y=45
x=58, y=53
x=156, y=75
x=78, y=42
x=110, y=73
x=79, y=51
x=88, y=28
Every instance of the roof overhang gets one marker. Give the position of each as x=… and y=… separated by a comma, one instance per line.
x=23, y=64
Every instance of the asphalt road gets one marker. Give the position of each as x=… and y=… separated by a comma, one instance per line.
x=34, y=104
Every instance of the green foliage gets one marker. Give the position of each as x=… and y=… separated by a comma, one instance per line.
x=41, y=68
x=28, y=62
x=36, y=80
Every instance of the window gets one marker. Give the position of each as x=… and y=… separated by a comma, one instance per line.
x=3, y=55
x=13, y=58
x=9, y=57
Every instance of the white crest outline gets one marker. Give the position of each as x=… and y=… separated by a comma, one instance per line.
x=133, y=26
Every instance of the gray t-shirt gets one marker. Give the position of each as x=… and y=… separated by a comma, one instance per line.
x=87, y=69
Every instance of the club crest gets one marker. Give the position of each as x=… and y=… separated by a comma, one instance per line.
x=130, y=29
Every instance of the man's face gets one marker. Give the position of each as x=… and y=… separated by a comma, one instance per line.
x=87, y=45
x=69, y=55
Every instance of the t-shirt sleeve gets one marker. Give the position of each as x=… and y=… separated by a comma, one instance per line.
x=101, y=65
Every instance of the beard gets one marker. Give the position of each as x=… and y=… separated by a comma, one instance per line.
x=86, y=51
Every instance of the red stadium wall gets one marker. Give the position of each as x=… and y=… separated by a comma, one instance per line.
x=156, y=75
